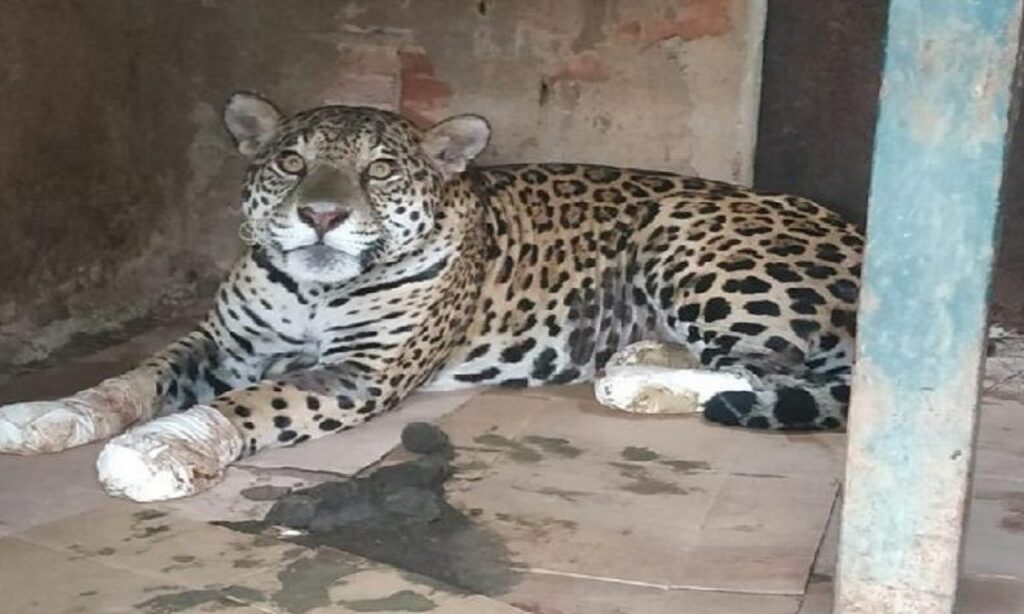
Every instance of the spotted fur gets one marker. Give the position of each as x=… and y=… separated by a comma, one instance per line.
x=448, y=276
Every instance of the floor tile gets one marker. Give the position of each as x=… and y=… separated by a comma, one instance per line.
x=325, y=580
x=818, y=598
x=162, y=545
x=990, y=595
x=40, y=489
x=1000, y=452
x=995, y=531
x=578, y=490
x=35, y=579
x=569, y=595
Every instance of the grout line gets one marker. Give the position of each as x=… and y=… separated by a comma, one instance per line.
x=293, y=472
x=655, y=585
x=993, y=576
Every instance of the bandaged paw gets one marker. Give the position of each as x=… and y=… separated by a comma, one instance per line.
x=648, y=389
x=655, y=354
x=174, y=456
x=45, y=426
x=90, y=415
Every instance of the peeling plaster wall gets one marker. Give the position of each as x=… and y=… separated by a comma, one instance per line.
x=118, y=186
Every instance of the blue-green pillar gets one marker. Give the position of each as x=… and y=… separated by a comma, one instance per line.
x=932, y=227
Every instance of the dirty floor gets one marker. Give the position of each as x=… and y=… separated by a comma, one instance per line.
x=556, y=506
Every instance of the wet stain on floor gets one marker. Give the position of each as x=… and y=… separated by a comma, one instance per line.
x=211, y=599
x=516, y=451
x=553, y=445
x=642, y=483
x=402, y=601
x=305, y=582
x=398, y=515
x=637, y=453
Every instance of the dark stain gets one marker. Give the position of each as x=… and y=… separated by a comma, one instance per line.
x=402, y=601
x=184, y=601
x=398, y=515
x=568, y=495
x=687, y=466
x=262, y=541
x=643, y=484
x=106, y=551
x=517, y=451
x=539, y=528
x=1013, y=504
x=554, y=445
x=148, y=532
x=145, y=515
x=265, y=493
x=305, y=582
x=635, y=453
x=183, y=558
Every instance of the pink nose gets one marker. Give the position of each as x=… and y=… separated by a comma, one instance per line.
x=322, y=221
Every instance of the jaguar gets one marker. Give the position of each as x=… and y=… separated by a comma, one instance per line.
x=380, y=260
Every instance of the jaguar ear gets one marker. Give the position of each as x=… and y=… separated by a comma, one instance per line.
x=455, y=141
x=252, y=120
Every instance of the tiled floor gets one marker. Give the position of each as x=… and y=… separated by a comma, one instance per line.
x=596, y=512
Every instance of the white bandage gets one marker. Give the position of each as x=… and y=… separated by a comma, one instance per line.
x=92, y=414
x=648, y=389
x=170, y=457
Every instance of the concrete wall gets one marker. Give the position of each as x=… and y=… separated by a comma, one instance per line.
x=118, y=187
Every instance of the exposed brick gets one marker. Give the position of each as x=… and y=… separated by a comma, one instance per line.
x=423, y=96
x=587, y=66
x=694, y=19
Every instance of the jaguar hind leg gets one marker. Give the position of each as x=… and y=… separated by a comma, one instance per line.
x=735, y=389
x=651, y=377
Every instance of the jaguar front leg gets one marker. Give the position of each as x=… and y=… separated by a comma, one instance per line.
x=190, y=370
x=185, y=453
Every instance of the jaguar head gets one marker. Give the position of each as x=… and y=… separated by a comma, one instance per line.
x=332, y=191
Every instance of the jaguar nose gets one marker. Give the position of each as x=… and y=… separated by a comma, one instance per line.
x=322, y=220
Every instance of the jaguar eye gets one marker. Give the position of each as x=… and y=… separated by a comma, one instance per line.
x=381, y=169
x=292, y=163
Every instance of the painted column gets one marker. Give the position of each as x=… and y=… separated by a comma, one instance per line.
x=932, y=223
